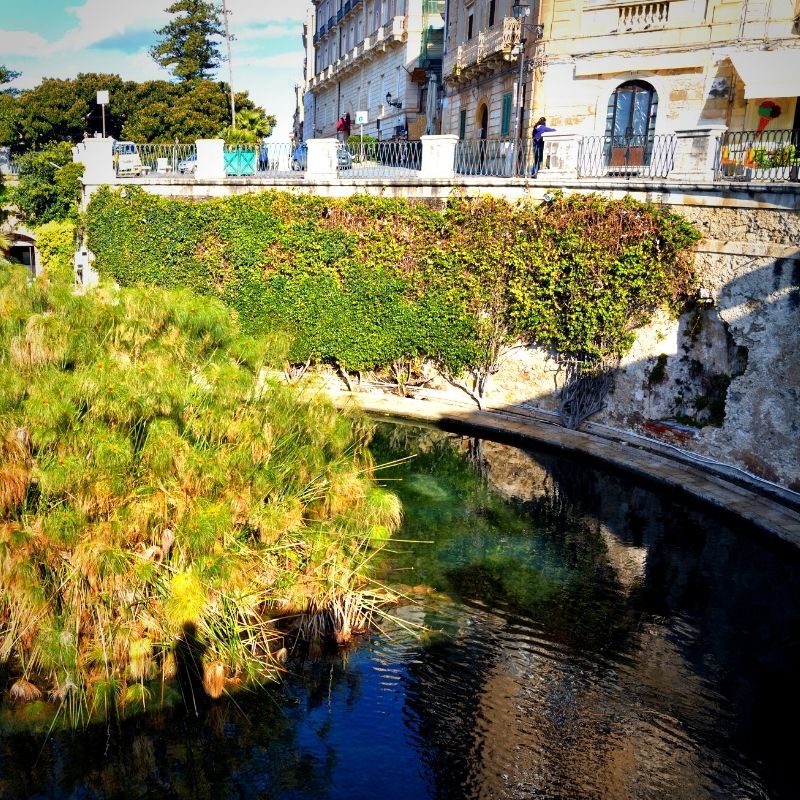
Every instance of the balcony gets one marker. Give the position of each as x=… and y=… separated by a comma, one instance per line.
x=346, y=7
x=392, y=34
x=483, y=54
x=395, y=30
x=331, y=22
x=339, y=15
x=643, y=16
x=321, y=32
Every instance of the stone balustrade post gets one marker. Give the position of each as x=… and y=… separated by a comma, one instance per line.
x=696, y=153
x=438, y=157
x=561, y=154
x=97, y=158
x=210, y=159
x=322, y=158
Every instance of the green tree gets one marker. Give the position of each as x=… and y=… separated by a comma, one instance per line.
x=188, y=46
x=7, y=75
x=49, y=186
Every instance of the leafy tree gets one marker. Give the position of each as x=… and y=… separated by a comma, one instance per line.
x=255, y=120
x=7, y=75
x=188, y=48
x=153, y=111
x=49, y=186
x=59, y=110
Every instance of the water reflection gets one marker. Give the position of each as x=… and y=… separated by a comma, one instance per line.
x=588, y=638
x=619, y=644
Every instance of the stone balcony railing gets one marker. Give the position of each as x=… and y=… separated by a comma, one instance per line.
x=483, y=53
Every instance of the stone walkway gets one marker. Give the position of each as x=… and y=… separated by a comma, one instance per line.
x=771, y=508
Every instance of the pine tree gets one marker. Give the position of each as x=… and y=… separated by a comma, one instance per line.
x=188, y=47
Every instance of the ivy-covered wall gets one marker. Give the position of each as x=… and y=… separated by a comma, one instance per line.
x=367, y=283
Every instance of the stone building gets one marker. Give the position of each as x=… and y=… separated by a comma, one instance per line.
x=619, y=69
x=379, y=56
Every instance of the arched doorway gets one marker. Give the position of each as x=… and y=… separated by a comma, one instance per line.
x=483, y=122
x=630, y=124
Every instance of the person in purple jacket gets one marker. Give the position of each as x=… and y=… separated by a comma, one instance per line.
x=538, y=144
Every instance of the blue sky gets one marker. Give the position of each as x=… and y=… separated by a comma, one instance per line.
x=60, y=38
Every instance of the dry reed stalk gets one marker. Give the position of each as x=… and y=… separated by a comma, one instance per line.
x=23, y=691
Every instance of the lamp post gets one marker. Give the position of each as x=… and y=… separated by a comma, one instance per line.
x=521, y=12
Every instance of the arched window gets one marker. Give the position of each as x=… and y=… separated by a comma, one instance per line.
x=630, y=124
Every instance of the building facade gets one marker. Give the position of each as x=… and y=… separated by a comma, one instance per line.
x=615, y=69
x=382, y=57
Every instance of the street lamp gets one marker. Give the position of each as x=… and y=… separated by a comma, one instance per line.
x=521, y=12
x=390, y=102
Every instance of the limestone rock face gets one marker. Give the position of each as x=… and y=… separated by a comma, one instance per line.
x=723, y=380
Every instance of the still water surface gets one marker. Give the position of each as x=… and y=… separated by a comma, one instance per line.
x=585, y=637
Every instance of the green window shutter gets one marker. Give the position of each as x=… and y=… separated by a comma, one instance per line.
x=505, y=125
x=462, y=125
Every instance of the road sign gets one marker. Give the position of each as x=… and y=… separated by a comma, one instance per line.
x=362, y=117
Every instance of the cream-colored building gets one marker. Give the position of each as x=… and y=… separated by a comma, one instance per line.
x=382, y=57
x=615, y=69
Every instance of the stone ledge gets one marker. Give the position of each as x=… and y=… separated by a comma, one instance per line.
x=769, y=508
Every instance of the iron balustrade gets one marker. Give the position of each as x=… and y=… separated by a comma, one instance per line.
x=769, y=155
x=626, y=156
x=384, y=159
x=166, y=158
x=496, y=158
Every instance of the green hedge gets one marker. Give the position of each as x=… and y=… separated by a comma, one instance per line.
x=366, y=282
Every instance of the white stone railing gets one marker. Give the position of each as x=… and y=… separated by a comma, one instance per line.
x=643, y=16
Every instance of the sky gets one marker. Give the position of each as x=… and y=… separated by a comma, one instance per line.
x=60, y=38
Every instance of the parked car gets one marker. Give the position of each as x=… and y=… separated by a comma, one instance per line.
x=127, y=160
x=300, y=157
x=188, y=165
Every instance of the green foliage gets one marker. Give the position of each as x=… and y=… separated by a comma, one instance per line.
x=368, y=283
x=49, y=186
x=55, y=241
x=188, y=46
x=7, y=75
x=152, y=111
x=152, y=477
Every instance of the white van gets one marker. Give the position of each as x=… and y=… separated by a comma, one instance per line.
x=127, y=161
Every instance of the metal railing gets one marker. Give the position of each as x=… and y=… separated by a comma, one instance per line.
x=502, y=158
x=387, y=159
x=626, y=156
x=758, y=156
x=163, y=158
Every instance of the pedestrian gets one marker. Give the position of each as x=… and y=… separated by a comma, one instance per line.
x=340, y=126
x=538, y=144
x=347, y=125
x=263, y=158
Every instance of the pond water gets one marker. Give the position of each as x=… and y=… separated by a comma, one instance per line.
x=584, y=637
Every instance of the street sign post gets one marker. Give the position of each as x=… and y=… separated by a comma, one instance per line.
x=362, y=118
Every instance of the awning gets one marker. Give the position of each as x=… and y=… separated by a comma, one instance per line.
x=768, y=73
x=696, y=59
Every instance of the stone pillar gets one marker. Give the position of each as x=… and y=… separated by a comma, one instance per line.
x=322, y=159
x=561, y=154
x=696, y=153
x=210, y=160
x=438, y=157
x=98, y=160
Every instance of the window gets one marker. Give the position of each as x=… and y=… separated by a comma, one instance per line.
x=505, y=122
x=462, y=125
x=470, y=20
x=492, y=10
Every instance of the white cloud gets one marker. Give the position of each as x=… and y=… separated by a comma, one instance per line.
x=290, y=61
x=21, y=43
